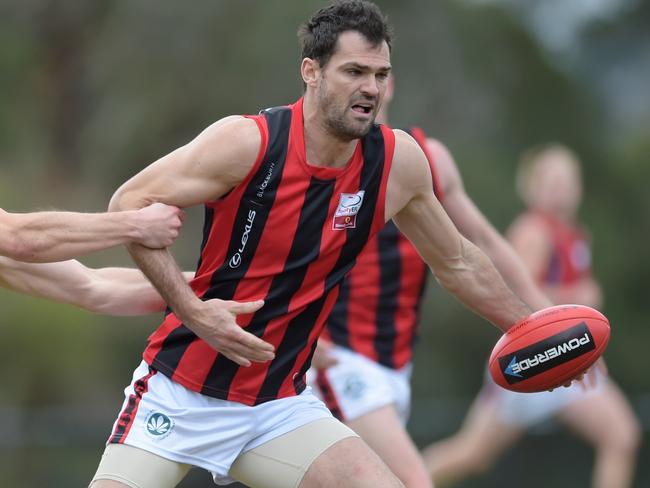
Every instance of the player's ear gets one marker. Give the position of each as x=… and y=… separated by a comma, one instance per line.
x=310, y=71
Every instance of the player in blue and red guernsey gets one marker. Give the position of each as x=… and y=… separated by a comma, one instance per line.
x=374, y=323
x=292, y=196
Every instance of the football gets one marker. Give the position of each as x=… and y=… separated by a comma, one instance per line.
x=549, y=348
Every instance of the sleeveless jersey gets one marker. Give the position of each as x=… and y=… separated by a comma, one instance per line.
x=378, y=308
x=571, y=255
x=287, y=234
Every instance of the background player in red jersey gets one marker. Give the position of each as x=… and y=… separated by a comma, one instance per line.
x=373, y=326
x=292, y=197
x=556, y=249
x=56, y=236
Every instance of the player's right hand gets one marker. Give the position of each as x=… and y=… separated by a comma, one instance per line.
x=214, y=322
x=159, y=225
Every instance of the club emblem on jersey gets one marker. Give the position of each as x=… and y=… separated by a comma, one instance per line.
x=158, y=425
x=345, y=216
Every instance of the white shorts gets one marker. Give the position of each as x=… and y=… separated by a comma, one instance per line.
x=527, y=409
x=175, y=423
x=357, y=385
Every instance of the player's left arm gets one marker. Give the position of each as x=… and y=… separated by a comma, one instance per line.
x=460, y=266
x=473, y=224
x=112, y=291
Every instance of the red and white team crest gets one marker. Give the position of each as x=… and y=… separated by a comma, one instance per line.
x=345, y=216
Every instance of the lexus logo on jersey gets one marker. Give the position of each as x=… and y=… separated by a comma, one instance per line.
x=345, y=216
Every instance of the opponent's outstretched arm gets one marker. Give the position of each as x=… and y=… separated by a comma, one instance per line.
x=471, y=222
x=205, y=169
x=112, y=291
x=57, y=236
x=460, y=266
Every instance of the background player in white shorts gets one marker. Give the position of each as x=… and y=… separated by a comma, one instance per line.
x=373, y=326
x=556, y=249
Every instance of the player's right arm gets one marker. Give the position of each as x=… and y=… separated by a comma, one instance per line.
x=57, y=236
x=204, y=170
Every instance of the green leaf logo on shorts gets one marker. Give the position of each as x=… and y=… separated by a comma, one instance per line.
x=158, y=424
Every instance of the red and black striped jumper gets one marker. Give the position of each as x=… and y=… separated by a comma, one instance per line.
x=377, y=311
x=287, y=234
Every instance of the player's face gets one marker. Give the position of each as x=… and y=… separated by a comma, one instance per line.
x=559, y=189
x=352, y=85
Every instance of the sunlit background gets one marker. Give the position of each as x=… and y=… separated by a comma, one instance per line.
x=90, y=92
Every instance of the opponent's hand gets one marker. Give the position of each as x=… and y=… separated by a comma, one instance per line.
x=158, y=225
x=323, y=358
x=214, y=322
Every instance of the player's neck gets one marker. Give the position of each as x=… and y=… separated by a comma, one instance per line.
x=566, y=216
x=322, y=148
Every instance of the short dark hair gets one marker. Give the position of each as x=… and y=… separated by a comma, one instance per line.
x=319, y=34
